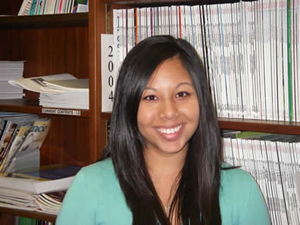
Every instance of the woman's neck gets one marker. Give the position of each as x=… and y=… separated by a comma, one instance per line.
x=165, y=172
x=164, y=164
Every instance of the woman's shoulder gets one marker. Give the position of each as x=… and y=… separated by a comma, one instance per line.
x=241, y=198
x=236, y=181
x=101, y=170
x=103, y=165
x=238, y=186
x=98, y=177
x=232, y=175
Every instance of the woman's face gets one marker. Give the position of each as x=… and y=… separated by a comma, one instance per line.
x=168, y=113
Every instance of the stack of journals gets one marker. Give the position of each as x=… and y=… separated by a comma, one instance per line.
x=10, y=70
x=21, y=136
x=58, y=91
x=274, y=162
x=38, y=189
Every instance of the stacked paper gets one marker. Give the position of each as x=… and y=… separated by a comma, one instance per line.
x=10, y=70
x=58, y=91
x=50, y=202
x=73, y=93
x=18, y=199
x=37, y=189
x=46, y=202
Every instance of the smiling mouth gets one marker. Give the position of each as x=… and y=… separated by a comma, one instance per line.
x=169, y=130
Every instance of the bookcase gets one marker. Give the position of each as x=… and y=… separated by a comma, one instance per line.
x=51, y=44
x=71, y=43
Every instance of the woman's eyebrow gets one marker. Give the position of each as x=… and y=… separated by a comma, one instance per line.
x=184, y=83
x=150, y=88
x=178, y=85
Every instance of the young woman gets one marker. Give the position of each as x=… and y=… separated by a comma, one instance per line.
x=163, y=162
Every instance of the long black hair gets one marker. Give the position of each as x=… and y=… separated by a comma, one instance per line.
x=197, y=195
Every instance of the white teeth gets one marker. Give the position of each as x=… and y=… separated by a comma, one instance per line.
x=169, y=130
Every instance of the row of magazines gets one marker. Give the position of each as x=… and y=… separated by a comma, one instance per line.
x=250, y=50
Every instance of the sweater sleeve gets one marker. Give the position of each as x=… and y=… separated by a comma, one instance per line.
x=76, y=206
x=254, y=210
x=241, y=200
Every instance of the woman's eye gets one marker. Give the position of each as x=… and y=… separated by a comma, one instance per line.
x=182, y=94
x=150, y=98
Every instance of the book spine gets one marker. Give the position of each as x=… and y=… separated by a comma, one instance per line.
x=183, y=27
x=179, y=21
x=67, y=7
x=25, y=4
x=74, y=9
x=27, y=8
x=39, y=7
x=64, y=6
x=137, y=25
x=71, y=6
x=166, y=13
x=52, y=6
x=43, y=5
x=60, y=6
x=289, y=58
x=142, y=24
x=118, y=37
x=148, y=22
x=17, y=141
x=33, y=7
x=191, y=27
x=130, y=29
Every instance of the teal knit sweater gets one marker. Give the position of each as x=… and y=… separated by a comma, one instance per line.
x=95, y=198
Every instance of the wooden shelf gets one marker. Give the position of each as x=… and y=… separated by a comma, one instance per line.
x=105, y=116
x=137, y=3
x=29, y=214
x=32, y=106
x=277, y=127
x=44, y=21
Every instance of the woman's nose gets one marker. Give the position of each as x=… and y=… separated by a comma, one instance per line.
x=169, y=110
